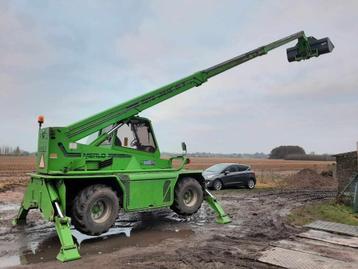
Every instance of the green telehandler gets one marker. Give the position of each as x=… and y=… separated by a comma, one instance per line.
x=120, y=167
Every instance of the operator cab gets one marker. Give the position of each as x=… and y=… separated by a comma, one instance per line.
x=135, y=133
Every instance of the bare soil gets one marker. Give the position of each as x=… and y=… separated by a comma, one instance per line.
x=159, y=239
x=309, y=178
x=13, y=169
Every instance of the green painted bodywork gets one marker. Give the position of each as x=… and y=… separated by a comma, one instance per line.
x=143, y=179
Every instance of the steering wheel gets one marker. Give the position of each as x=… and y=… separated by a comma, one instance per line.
x=149, y=148
x=134, y=142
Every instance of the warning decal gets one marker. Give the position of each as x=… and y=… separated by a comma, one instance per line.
x=42, y=162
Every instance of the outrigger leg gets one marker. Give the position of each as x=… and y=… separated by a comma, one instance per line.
x=221, y=216
x=21, y=216
x=43, y=195
x=68, y=251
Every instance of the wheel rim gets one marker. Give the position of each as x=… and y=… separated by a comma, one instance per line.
x=217, y=185
x=190, y=197
x=100, y=211
x=251, y=184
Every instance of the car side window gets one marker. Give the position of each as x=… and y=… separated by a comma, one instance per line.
x=242, y=168
x=231, y=169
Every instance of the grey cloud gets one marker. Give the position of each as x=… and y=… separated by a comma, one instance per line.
x=254, y=107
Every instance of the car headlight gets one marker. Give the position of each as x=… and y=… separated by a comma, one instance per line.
x=209, y=176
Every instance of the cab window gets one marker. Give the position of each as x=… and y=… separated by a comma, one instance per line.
x=136, y=135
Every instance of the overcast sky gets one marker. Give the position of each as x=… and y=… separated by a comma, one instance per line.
x=71, y=59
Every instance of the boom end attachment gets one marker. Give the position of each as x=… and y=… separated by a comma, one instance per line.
x=309, y=47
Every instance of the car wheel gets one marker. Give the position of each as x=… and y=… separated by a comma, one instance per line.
x=217, y=185
x=251, y=184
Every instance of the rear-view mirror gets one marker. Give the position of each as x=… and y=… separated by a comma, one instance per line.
x=183, y=146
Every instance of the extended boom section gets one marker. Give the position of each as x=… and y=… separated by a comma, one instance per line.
x=119, y=167
x=305, y=49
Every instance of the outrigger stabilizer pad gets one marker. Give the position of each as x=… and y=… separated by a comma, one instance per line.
x=221, y=216
x=42, y=195
x=69, y=250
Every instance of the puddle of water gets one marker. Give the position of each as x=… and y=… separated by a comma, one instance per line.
x=80, y=237
x=141, y=238
x=10, y=261
x=47, y=249
x=38, y=242
x=9, y=207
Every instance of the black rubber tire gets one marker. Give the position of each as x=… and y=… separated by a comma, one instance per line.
x=250, y=187
x=82, y=209
x=217, y=185
x=184, y=186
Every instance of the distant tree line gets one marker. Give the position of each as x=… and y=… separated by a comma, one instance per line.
x=257, y=155
x=310, y=157
x=10, y=151
x=285, y=152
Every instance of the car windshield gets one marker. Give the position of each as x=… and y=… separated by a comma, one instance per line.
x=216, y=168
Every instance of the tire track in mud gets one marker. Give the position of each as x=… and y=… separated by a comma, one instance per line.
x=263, y=215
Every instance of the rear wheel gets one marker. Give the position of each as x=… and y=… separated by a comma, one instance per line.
x=95, y=209
x=188, y=196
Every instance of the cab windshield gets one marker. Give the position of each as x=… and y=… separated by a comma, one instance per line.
x=134, y=134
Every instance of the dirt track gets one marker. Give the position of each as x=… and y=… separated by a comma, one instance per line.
x=163, y=240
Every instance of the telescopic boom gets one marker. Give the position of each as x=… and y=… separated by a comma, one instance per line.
x=304, y=49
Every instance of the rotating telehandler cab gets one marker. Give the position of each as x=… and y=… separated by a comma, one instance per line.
x=86, y=184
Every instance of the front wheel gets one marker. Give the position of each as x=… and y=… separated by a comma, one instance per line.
x=217, y=185
x=95, y=209
x=188, y=197
x=251, y=184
